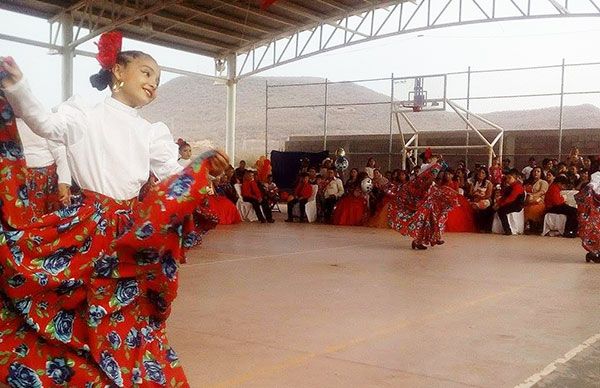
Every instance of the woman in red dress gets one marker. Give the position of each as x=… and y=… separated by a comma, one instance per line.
x=460, y=218
x=86, y=290
x=588, y=207
x=420, y=209
x=352, y=209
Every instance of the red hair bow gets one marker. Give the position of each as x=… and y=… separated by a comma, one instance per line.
x=109, y=47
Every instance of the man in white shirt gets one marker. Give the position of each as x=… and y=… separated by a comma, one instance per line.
x=527, y=170
x=333, y=191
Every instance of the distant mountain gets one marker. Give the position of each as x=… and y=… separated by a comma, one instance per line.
x=194, y=109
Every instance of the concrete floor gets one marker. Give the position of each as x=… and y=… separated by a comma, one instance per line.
x=298, y=305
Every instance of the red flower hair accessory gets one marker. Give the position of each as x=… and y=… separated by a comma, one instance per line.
x=428, y=153
x=109, y=47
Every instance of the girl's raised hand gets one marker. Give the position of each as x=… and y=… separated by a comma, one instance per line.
x=10, y=73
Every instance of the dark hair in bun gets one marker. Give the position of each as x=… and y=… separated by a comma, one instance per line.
x=103, y=78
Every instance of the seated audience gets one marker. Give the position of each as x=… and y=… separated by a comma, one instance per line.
x=527, y=170
x=480, y=194
x=536, y=188
x=301, y=195
x=334, y=189
x=510, y=200
x=555, y=204
x=495, y=172
x=584, y=179
x=352, y=179
x=252, y=194
x=351, y=209
x=271, y=190
x=460, y=218
x=370, y=167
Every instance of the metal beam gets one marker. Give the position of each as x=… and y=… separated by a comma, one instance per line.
x=404, y=16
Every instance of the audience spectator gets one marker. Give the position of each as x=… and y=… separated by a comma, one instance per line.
x=388, y=175
x=370, y=167
x=380, y=184
x=302, y=194
x=352, y=208
x=495, y=172
x=271, y=190
x=555, y=204
x=506, y=166
x=550, y=176
x=574, y=159
x=536, y=188
x=480, y=195
x=584, y=179
x=352, y=179
x=547, y=165
x=252, y=194
x=587, y=163
x=225, y=188
x=325, y=165
x=561, y=169
x=527, y=170
x=334, y=189
x=240, y=171
x=312, y=175
x=572, y=175
x=510, y=200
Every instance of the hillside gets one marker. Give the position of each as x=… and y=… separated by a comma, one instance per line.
x=194, y=109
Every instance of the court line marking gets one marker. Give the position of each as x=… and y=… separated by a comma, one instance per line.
x=291, y=362
x=550, y=368
x=279, y=255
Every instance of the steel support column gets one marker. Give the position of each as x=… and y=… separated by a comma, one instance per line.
x=68, y=53
x=231, y=108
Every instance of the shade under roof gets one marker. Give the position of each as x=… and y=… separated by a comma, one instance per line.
x=214, y=28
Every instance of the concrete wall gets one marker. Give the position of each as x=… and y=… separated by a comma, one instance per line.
x=519, y=145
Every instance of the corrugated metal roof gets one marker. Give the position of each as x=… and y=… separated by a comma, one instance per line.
x=213, y=28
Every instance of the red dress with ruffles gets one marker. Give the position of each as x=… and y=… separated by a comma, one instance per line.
x=86, y=290
x=588, y=211
x=420, y=209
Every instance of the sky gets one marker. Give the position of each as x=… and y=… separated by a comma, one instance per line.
x=481, y=46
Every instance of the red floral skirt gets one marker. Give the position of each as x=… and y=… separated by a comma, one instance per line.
x=86, y=290
x=420, y=210
x=588, y=209
x=42, y=186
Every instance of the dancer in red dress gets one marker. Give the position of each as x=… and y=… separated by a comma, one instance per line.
x=588, y=206
x=420, y=208
x=86, y=290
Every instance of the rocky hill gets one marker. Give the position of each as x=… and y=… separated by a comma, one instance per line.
x=194, y=109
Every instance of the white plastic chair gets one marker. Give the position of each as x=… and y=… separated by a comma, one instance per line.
x=554, y=224
x=244, y=208
x=515, y=220
x=311, y=206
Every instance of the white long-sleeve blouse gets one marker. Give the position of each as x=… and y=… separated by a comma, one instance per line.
x=110, y=148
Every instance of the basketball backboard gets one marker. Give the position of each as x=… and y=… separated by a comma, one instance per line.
x=420, y=93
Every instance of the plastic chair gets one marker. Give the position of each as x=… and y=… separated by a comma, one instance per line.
x=554, y=224
x=516, y=221
x=245, y=208
x=311, y=206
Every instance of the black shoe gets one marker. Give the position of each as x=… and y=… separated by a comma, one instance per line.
x=418, y=246
x=440, y=242
x=591, y=257
x=270, y=221
x=508, y=233
x=263, y=221
x=570, y=234
x=303, y=220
